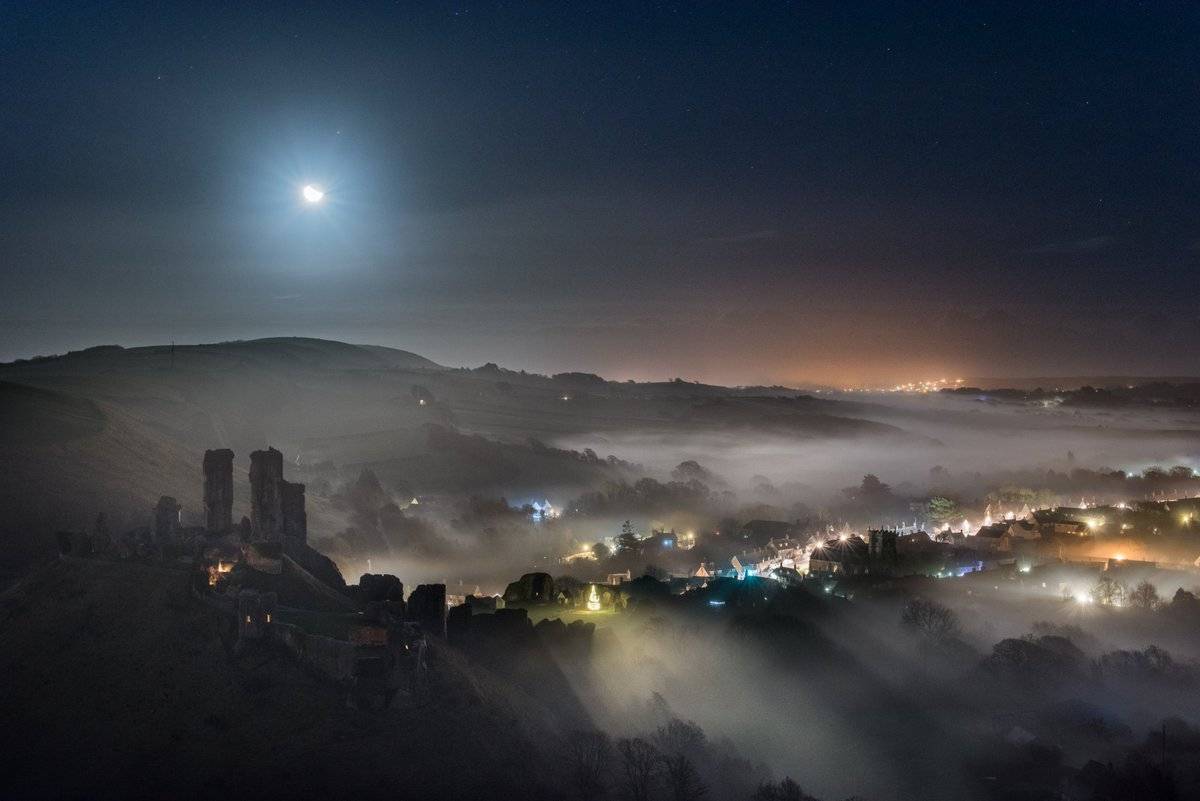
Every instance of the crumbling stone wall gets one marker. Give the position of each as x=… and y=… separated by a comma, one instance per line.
x=333, y=659
x=458, y=625
x=255, y=614
x=531, y=588
x=484, y=604
x=218, y=491
x=381, y=588
x=295, y=519
x=427, y=607
x=567, y=641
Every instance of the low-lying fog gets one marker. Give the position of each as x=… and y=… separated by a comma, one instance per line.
x=960, y=434
x=844, y=698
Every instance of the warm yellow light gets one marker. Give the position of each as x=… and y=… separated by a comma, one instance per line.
x=312, y=194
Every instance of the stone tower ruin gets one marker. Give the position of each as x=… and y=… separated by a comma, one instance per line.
x=266, y=496
x=276, y=506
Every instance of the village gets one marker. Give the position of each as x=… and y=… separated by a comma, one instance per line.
x=1134, y=538
x=388, y=653
x=372, y=637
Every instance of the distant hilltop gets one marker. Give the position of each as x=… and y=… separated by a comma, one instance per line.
x=301, y=351
x=310, y=353
x=1076, y=382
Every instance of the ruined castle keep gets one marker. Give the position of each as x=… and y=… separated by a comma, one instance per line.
x=266, y=495
x=218, y=491
x=276, y=506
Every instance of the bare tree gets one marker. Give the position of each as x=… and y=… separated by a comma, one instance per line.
x=786, y=790
x=683, y=782
x=1109, y=591
x=930, y=619
x=680, y=737
x=1144, y=596
x=639, y=765
x=588, y=755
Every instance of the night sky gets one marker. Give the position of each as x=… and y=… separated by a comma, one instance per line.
x=741, y=192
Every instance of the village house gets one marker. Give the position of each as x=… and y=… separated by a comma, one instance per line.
x=841, y=557
x=757, y=533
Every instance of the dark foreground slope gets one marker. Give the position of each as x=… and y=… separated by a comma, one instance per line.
x=116, y=684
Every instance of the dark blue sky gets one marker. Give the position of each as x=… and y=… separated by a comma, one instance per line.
x=735, y=192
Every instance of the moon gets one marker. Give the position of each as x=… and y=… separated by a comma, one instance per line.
x=311, y=194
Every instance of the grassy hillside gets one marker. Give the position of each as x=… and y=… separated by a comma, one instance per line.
x=111, y=429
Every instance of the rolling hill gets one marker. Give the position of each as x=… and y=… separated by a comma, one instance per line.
x=110, y=429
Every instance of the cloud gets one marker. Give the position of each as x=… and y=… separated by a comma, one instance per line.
x=1092, y=244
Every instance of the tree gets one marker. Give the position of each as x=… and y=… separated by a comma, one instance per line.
x=628, y=541
x=657, y=573
x=588, y=754
x=1011, y=495
x=692, y=470
x=930, y=619
x=1035, y=661
x=683, y=782
x=1144, y=596
x=600, y=551
x=680, y=737
x=1184, y=602
x=639, y=767
x=1109, y=591
x=872, y=489
x=941, y=509
x=873, y=496
x=786, y=790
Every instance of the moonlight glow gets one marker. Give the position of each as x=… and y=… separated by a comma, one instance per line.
x=311, y=194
